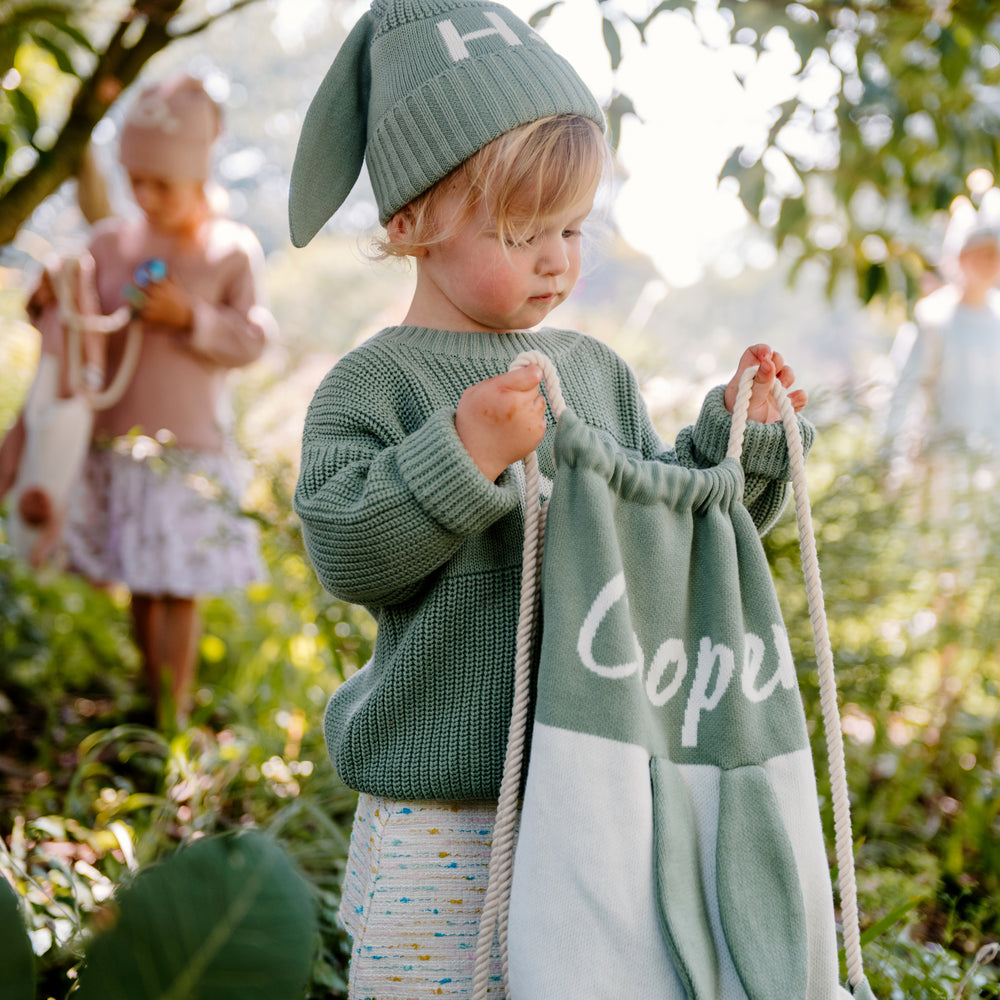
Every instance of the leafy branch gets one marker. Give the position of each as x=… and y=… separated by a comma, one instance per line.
x=914, y=113
x=144, y=29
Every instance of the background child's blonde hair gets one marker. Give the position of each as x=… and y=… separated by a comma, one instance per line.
x=522, y=176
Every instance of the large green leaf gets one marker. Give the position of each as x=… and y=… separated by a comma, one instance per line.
x=17, y=963
x=227, y=918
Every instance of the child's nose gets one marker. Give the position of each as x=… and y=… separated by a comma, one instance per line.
x=553, y=257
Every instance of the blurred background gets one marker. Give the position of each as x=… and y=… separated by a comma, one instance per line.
x=784, y=174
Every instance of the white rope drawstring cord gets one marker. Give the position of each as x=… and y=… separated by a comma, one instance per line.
x=76, y=323
x=843, y=837
x=496, y=905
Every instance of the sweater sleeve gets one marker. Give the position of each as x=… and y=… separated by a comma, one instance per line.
x=765, y=455
x=704, y=444
x=383, y=506
x=234, y=331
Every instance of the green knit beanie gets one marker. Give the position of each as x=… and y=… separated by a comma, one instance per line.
x=417, y=88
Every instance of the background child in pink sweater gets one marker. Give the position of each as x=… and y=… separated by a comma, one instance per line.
x=159, y=510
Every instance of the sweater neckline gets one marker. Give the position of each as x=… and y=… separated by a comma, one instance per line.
x=478, y=345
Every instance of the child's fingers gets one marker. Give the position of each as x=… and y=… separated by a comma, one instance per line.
x=798, y=399
x=502, y=419
x=786, y=376
x=783, y=372
x=760, y=355
x=770, y=366
x=521, y=379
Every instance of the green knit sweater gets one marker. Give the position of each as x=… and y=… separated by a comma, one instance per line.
x=397, y=518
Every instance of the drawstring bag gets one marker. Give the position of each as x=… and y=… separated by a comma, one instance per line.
x=670, y=845
x=59, y=410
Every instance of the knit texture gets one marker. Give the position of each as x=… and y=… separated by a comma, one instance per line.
x=416, y=89
x=397, y=517
x=416, y=876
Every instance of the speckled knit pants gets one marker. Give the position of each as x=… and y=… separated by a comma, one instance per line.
x=416, y=879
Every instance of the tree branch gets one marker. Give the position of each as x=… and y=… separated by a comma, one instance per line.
x=117, y=67
x=209, y=21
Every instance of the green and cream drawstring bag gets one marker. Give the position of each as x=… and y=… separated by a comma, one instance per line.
x=670, y=845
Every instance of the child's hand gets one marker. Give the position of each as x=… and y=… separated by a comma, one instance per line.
x=167, y=304
x=502, y=419
x=763, y=408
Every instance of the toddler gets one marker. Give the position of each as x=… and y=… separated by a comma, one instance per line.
x=159, y=511
x=485, y=150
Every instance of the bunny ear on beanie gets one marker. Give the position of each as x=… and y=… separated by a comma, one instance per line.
x=331, y=147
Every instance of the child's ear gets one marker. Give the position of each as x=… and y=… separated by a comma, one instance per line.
x=395, y=228
x=401, y=228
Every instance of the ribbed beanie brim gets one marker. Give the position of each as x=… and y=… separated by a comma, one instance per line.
x=451, y=117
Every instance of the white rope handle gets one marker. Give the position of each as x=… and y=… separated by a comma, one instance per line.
x=76, y=322
x=496, y=903
x=843, y=837
x=495, y=908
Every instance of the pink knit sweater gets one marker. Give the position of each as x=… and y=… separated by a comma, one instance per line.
x=179, y=381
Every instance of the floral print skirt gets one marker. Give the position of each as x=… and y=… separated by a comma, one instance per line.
x=163, y=521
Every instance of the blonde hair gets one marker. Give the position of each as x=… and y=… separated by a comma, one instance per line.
x=522, y=176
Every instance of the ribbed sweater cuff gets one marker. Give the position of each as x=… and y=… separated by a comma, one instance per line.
x=765, y=452
x=445, y=481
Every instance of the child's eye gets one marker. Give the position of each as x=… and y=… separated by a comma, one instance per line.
x=519, y=242
x=569, y=234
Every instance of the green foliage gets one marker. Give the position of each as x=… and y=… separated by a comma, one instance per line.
x=63, y=637
x=151, y=794
x=226, y=917
x=905, y=972
x=17, y=961
x=39, y=44
x=893, y=107
x=911, y=594
x=69, y=62
x=42, y=625
x=18, y=355
x=100, y=795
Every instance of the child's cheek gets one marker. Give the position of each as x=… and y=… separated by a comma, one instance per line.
x=489, y=288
